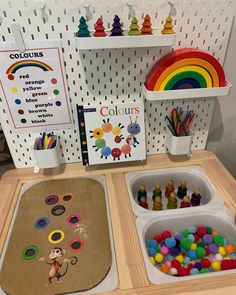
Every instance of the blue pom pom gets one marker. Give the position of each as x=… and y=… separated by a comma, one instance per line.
x=192, y=254
x=170, y=257
x=191, y=238
x=170, y=242
x=192, y=229
x=152, y=243
x=152, y=251
x=186, y=260
x=194, y=271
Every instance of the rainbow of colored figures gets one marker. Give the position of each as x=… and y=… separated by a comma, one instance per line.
x=112, y=133
x=34, y=87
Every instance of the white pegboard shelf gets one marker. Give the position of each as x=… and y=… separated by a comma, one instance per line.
x=155, y=40
x=186, y=93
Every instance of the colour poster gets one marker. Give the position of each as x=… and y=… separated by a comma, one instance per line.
x=34, y=87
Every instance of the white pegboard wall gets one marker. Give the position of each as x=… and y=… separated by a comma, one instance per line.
x=117, y=74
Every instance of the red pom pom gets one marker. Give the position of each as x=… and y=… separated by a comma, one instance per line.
x=158, y=238
x=234, y=262
x=205, y=262
x=227, y=264
x=208, y=252
x=175, y=263
x=166, y=234
x=190, y=266
x=201, y=231
x=196, y=238
x=182, y=271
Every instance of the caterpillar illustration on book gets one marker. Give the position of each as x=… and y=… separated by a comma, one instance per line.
x=55, y=266
x=109, y=135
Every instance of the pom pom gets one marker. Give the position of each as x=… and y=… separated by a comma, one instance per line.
x=152, y=260
x=165, y=268
x=204, y=270
x=218, y=240
x=207, y=239
x=152, y=243
x=185, y=233
x=166, y=234
x=175, y=263
x=194, y=271
x=192, y=254
x=198, y=265
x=175, y=251
x=201, y=231
x=200, y=244
x=222, y=251
x=191, y=238
x=216, y=265
x=193, y=246
x=218, y=257
x=229, y=249
x=159, y=257
x=206, y=263
x=164, y=250
x=196, y=238
x=186, y=260
x=182, y=271
x=170, y=242
x=179, y=236
x=152, y=251
x=158, y=238
x=214, y=232
x=213, y=248
x=180, y=258
x=185, y=243
x=200, y=252
x=207, y=251
x=209, y=230
x=170, y=257
x=192, y=229
x=173, y=271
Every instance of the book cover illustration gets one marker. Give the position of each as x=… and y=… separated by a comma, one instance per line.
x=112, y=133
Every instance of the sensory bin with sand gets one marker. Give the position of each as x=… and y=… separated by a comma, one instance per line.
x=60, y=240
x=194, y=176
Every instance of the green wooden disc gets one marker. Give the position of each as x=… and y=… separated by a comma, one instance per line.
x=190, y=74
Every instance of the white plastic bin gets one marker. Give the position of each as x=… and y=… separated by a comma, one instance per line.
x=178, y=145
x=221, y=221
x=193, y=175
x=48, y=158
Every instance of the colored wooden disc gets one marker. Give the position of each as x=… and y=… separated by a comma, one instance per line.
x=186, y=62
x=194, y=75
x=186, y=83
x=179, y=54
x=196, y=69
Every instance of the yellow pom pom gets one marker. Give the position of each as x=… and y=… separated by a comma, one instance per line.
x=229, y=249
x=216, y=265
x=193, y=246
x=222, y=251
x=159, y=257
x=180, y=258
x=152, y=260
x=227, y=258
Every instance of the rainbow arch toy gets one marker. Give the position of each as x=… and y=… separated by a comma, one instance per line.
x=185, y=69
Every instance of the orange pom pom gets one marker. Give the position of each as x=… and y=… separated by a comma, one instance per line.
x=165, y=268
x=229, y=249
x=214, y=233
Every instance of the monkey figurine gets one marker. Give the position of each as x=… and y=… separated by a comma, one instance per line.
x=169, y=188
x=55, y=265
x=186, y=202
x=156, y=192
x=196, y=197
x=182, y=190
x=172, y=201
x=157, y=204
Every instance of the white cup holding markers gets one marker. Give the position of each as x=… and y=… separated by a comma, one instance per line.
x=179, y=134
x=46, y=150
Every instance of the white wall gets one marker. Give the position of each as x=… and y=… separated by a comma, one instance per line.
x=222, y=137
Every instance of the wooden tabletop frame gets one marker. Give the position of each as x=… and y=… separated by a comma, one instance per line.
x=130, y=264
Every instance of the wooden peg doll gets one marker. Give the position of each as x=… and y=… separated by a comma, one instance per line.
x=157, y=192
x=182, y=190
x=169, y=188
x=172, y=201
x=196, y=197
x=185, y=203
x=157, y=204
x=142, y=197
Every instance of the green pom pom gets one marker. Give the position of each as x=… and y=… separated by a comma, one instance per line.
x=204, y=270
x=201, y=244
x=185, y=233
x=209, y=230
x=185, y=243
x=201, y=252
x=158, y=248
x=218, y=240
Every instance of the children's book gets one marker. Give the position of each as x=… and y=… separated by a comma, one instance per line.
x=112, y=133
